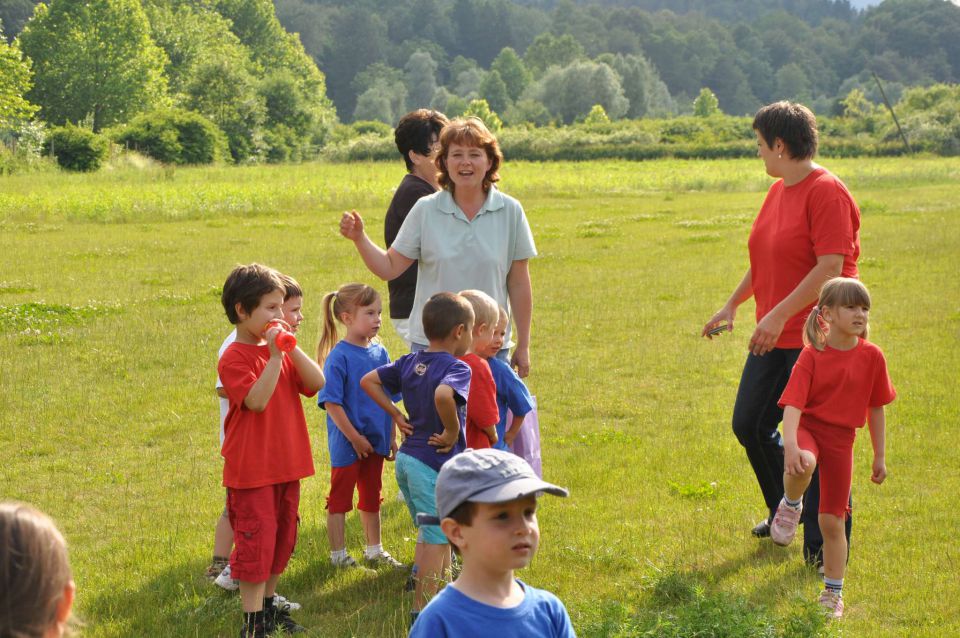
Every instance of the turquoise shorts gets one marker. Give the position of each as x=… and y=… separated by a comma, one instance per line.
x=418, y=482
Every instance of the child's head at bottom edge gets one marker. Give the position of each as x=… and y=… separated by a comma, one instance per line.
x=487, y=507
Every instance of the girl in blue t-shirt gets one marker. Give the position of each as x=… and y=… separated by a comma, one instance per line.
x=359, y=434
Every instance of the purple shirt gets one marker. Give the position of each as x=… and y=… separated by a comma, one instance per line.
x=416, y=377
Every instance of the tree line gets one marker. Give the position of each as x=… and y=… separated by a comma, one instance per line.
x=253, y=80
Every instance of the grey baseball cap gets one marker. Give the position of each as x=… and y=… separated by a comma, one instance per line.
x=484, y=476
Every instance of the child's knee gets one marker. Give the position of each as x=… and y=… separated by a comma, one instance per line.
x=831, y=525
x=809, y=462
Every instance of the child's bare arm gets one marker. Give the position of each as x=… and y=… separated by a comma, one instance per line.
x=340, y=419
x=491, y=433
x=793, y=462
x=260, y=392
x=372, y=385
x=877, y=420
x=514, y=430
x=310, y=371
x=446, y=404
x=222, y=393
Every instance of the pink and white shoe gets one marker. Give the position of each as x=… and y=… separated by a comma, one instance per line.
x=832, y=603
x=784, y=525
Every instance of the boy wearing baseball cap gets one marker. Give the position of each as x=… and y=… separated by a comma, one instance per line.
x=487, y=508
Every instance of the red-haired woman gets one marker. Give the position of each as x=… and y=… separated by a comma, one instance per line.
x=467, y=235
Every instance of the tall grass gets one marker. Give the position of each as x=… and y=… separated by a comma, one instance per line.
x=110, y=323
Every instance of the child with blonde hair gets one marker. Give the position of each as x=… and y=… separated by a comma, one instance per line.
x=839, y=381
x=360, y=435
x=36, y=584
x=482, y=412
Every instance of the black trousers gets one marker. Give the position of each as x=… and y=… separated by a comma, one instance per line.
x=756, y=417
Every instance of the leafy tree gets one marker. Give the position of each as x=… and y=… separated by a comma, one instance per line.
x=13, y=15
x=359, y=39
x=226, y=93
x=596, y=116
x=255, y=23
x=15, y=81
x=526, y=111
x=642, y=86
x=93, y=58
x=569, y=93
x=468, y=83
x=480, y=108
x=374, y=104
x=856, y=105
x=793, y=83
x=494, y=91
x=548, y=50
x=706, y=103
x=421, y=75
x=512, y=71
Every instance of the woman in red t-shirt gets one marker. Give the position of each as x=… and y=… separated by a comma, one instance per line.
x=840, y=380
x=807, y=231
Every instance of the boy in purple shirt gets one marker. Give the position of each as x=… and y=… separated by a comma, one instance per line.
x=434, y=385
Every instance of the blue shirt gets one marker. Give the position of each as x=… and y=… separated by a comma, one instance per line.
x=344, y=367
x=511, y=393
x=451, y=614
x=416, y=377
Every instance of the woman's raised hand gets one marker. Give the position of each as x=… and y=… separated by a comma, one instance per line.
x=351, y=225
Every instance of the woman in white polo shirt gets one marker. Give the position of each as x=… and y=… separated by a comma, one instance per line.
x=467, y=235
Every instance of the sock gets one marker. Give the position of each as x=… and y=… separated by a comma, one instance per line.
x=794, y=504
x=834, y=585
x=373, y=551
x=267, y=603
x=220, y=560
x=253, y=619
x=338, y=555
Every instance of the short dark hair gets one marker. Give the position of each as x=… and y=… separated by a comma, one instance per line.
x=246, y=285
x=443, y=312
x=793, y=123
x=291, y=287
x=464, y=513
x=414, y=131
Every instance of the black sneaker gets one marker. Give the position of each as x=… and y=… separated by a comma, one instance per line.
x=278, y=618
x=257, y=631
x=761, y=529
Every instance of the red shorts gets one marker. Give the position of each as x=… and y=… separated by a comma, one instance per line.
x=365, y=475
x=833, y=448
x=264, y=521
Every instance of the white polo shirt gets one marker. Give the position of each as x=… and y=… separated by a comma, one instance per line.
x=457, y=254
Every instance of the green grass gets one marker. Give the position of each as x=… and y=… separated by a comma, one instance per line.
x=110, y=323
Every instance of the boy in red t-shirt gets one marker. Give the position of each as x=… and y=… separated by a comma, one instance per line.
x=482, y=412
x=266, y=449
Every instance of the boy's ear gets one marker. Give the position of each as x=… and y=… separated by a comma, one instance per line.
x=452, y=531
x=241, y=313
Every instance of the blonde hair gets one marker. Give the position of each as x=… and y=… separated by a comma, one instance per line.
x=485, y=308
x=34, y=571
x=347, y=298
x=839, y=291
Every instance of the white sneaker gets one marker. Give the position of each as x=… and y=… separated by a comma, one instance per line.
x=224, y=580
x=280, y=602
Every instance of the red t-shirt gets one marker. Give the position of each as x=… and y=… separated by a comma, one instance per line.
x=797, y=224
x=837, y=387
x=269, y=447
x=482, y=411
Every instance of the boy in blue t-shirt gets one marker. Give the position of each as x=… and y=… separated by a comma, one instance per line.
x=487, y=508
x=434, y=385
x=512, y=392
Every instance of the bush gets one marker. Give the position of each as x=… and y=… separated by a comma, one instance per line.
x=363, y=127
x=77, y=149
x=174, y=136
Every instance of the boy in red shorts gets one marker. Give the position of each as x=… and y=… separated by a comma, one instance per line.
x=266, y=449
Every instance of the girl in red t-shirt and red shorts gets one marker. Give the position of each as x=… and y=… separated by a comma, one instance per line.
x=839, y=381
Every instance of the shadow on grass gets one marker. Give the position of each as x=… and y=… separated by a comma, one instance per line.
x=180, y=602
x=683, y=603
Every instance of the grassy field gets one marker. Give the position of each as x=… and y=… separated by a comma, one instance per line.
x=110, y=323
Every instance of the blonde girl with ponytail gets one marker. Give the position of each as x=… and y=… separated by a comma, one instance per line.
x=360, y=435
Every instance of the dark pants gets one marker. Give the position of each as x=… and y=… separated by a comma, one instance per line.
x=756, y=417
